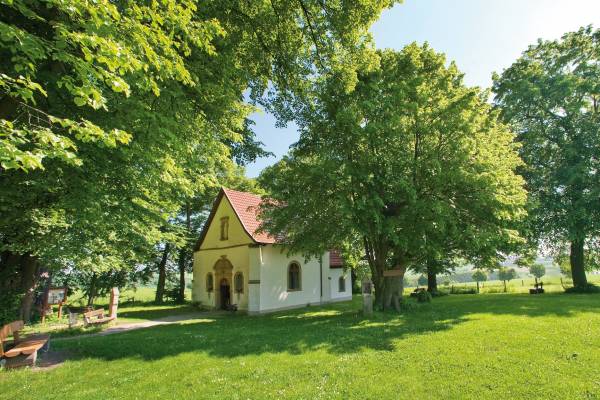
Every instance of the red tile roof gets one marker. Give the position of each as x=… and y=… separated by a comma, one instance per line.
x=246, y=206
x=335, y=259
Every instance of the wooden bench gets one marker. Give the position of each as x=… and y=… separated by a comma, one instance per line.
x=20, y=352
x=96, y=317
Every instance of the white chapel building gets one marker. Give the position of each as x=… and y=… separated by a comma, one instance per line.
x=235, y=265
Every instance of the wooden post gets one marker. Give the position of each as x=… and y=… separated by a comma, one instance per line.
x=114, y=302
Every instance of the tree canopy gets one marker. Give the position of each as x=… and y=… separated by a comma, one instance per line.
x=551, y=98
x=114, y=116
x=537, y=270
x=409, y=165
x=479, y=275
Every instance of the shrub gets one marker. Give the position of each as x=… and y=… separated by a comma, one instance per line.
x=589, y=288
x=498, y=289
x=424, y=297
x=9, y=307
x=463, y=290
x=439, y=293
x=172, y=294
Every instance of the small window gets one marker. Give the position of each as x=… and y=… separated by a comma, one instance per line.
x=342, y=284
x=294, y=277
x=209, y=282
x=224, y=228
x=238, y=282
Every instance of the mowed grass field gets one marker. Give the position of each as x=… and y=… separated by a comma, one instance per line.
x=492, y=346
x=552, y=284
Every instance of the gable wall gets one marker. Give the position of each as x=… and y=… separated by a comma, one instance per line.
x=204, y=262
x=235, y=249
x=237, y=234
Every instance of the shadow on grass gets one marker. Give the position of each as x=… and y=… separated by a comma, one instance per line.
x=152, y=311
x=338, y=328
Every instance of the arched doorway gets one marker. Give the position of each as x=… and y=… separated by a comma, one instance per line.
x=223, y=277
x=225, y=294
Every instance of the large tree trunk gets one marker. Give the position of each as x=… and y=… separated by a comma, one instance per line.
x=394, y=286
x=92, y=290
x=181, y=264
x=183, y=255
x=431, y=281
x=577, y=264
x=29, y=269
x=379, y=285
x=162, y=275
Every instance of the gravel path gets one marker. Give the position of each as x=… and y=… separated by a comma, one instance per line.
x=174, y=319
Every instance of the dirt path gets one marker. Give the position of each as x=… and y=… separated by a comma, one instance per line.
x=174, y=319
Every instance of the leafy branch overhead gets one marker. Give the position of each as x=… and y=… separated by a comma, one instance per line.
x=118, y=117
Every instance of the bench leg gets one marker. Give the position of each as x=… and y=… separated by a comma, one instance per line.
x=22, y=361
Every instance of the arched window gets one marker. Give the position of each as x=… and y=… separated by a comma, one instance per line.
x=238, y=282
x=225, y=228
x=209, y=282
x=294, y=277
x=342, y=284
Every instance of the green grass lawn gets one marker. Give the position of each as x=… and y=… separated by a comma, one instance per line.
x=552, y=284
x=135, y=306
x=496, y=346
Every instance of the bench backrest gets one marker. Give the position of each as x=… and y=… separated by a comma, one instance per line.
x=8, y=330
x=96, y=313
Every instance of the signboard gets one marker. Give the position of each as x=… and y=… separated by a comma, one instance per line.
x=393, y=272
x=56, y=296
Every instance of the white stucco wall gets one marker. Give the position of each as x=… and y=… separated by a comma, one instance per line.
x=273, y=281
x=254, y=275
x=265, y=271
x=335, y=274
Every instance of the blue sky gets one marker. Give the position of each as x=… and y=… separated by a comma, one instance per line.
x=481, y=36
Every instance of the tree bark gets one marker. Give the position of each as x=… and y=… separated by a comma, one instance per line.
x=393, y=292
x=376, y=256
x=92, y=290
x=577, y=264
x=181, y=264
x=183, y=255
x=29, y=267
x=162, y=275
x=394, y=287
x=431, y=281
